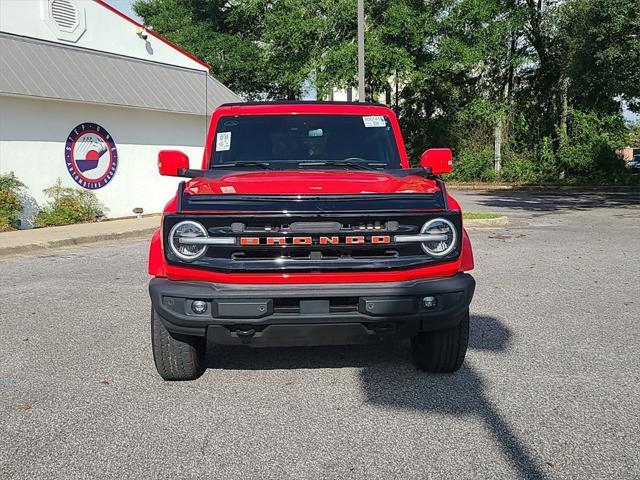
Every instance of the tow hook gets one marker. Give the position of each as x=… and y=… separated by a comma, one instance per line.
x=384, y=328
x=250, y=332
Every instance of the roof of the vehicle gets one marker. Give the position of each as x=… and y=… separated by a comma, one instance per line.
x=292, y=107
x=302, y=102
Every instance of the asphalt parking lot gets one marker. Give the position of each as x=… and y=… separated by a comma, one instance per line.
x=549, y=389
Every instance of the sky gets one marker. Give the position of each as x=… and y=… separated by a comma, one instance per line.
x=125, y=7
x=631, y=117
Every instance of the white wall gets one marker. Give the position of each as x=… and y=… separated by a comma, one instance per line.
x=341, y=95
x=32, y=144
x=105, y=31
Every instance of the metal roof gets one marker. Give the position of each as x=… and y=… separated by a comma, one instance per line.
x=43, y=69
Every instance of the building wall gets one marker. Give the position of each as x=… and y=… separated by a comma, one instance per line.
x=101, y=29
x=626, y=153
x=33, y=134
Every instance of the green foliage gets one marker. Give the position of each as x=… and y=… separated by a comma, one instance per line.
x=69, y=205
x=633, y=139
x=473, y=164
x=256, y=47
x=601, y=43
x=588, y=150
x=547, y=160
x=520, y=169
x=10, y=205
x=552, y=73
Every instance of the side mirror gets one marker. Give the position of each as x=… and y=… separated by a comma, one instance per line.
x=170, y=162
x=439, y=160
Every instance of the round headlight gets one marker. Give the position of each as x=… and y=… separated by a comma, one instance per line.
x=179, y=240
x=447, y=237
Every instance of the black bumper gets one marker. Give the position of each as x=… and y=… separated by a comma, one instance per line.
x=311, y=314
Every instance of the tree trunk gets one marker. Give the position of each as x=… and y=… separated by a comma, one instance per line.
x=510, y=75
x=497, y=161
x=564, y=114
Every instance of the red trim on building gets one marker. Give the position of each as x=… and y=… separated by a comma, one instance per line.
x=152, y=33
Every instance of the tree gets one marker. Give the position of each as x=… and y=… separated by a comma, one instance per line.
x=550, y=73
x=601, y=40
x=256, y=47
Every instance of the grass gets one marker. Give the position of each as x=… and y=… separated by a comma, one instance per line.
x=479, y=215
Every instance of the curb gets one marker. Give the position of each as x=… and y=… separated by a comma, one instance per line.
x=486, y=222
x=462, y=187
x=39, y=246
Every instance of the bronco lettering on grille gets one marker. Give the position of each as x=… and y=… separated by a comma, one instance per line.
x=323, y=240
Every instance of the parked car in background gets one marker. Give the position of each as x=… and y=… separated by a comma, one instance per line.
x=634, y=165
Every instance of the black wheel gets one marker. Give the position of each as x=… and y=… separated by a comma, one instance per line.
x=441, y=351
x=176, y=357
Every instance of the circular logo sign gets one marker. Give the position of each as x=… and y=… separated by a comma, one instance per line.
x=91, y=156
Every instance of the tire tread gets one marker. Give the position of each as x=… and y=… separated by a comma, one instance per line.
x=176, y=357
x=442, y=351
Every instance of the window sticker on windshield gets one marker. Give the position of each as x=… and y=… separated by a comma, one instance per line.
x=374, y=121
x=223, y=141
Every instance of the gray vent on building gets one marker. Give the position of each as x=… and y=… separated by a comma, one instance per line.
x=64, y=13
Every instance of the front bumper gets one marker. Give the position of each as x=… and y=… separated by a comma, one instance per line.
x=310, y=314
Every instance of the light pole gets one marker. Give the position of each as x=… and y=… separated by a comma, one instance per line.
x=361, y=50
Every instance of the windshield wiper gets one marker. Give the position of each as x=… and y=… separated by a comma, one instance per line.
x=337, y=163
x=262, y=165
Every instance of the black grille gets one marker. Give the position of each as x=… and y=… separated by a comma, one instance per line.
x=336, y=305
x=313, y=255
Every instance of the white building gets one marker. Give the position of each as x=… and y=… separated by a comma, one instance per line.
x=90, y=97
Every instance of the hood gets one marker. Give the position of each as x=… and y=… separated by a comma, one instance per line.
x=310, y=182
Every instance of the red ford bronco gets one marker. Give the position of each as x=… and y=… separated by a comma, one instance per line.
x=307, y=226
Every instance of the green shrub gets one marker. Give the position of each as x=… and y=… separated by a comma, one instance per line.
x=518, y=168
x=69, y=205
x=473, y=140
x=10, y=204
x=633, y=139
x=584, y=154
x=587, y=153
x=472, y=164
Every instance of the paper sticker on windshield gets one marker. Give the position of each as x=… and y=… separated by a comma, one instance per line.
x=374, y=121
x=223, y=141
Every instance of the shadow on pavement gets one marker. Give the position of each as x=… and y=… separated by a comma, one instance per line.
x=527, y=200
x=389, y=379
x=462, y=393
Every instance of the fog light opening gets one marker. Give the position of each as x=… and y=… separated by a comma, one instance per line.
x=199, y=306
x=430, y=302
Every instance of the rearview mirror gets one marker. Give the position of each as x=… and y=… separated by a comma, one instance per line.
x=440, y=160
x=170, y=162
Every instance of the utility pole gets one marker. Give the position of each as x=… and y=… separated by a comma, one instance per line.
x=497, y=162
x=361, y=50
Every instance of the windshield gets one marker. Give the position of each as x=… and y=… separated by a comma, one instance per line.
x=305, y=141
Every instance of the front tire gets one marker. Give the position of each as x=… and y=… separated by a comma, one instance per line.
x=176, y=357
x=442, y=351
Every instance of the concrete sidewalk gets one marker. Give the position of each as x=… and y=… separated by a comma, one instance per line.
x=25, y=241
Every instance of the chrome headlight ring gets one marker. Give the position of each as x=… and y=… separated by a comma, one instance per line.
x=188, y=251
x=441, y=247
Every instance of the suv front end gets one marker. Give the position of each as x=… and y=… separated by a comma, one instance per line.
x=266, y=269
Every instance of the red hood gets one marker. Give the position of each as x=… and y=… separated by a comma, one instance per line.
x=310, y=182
